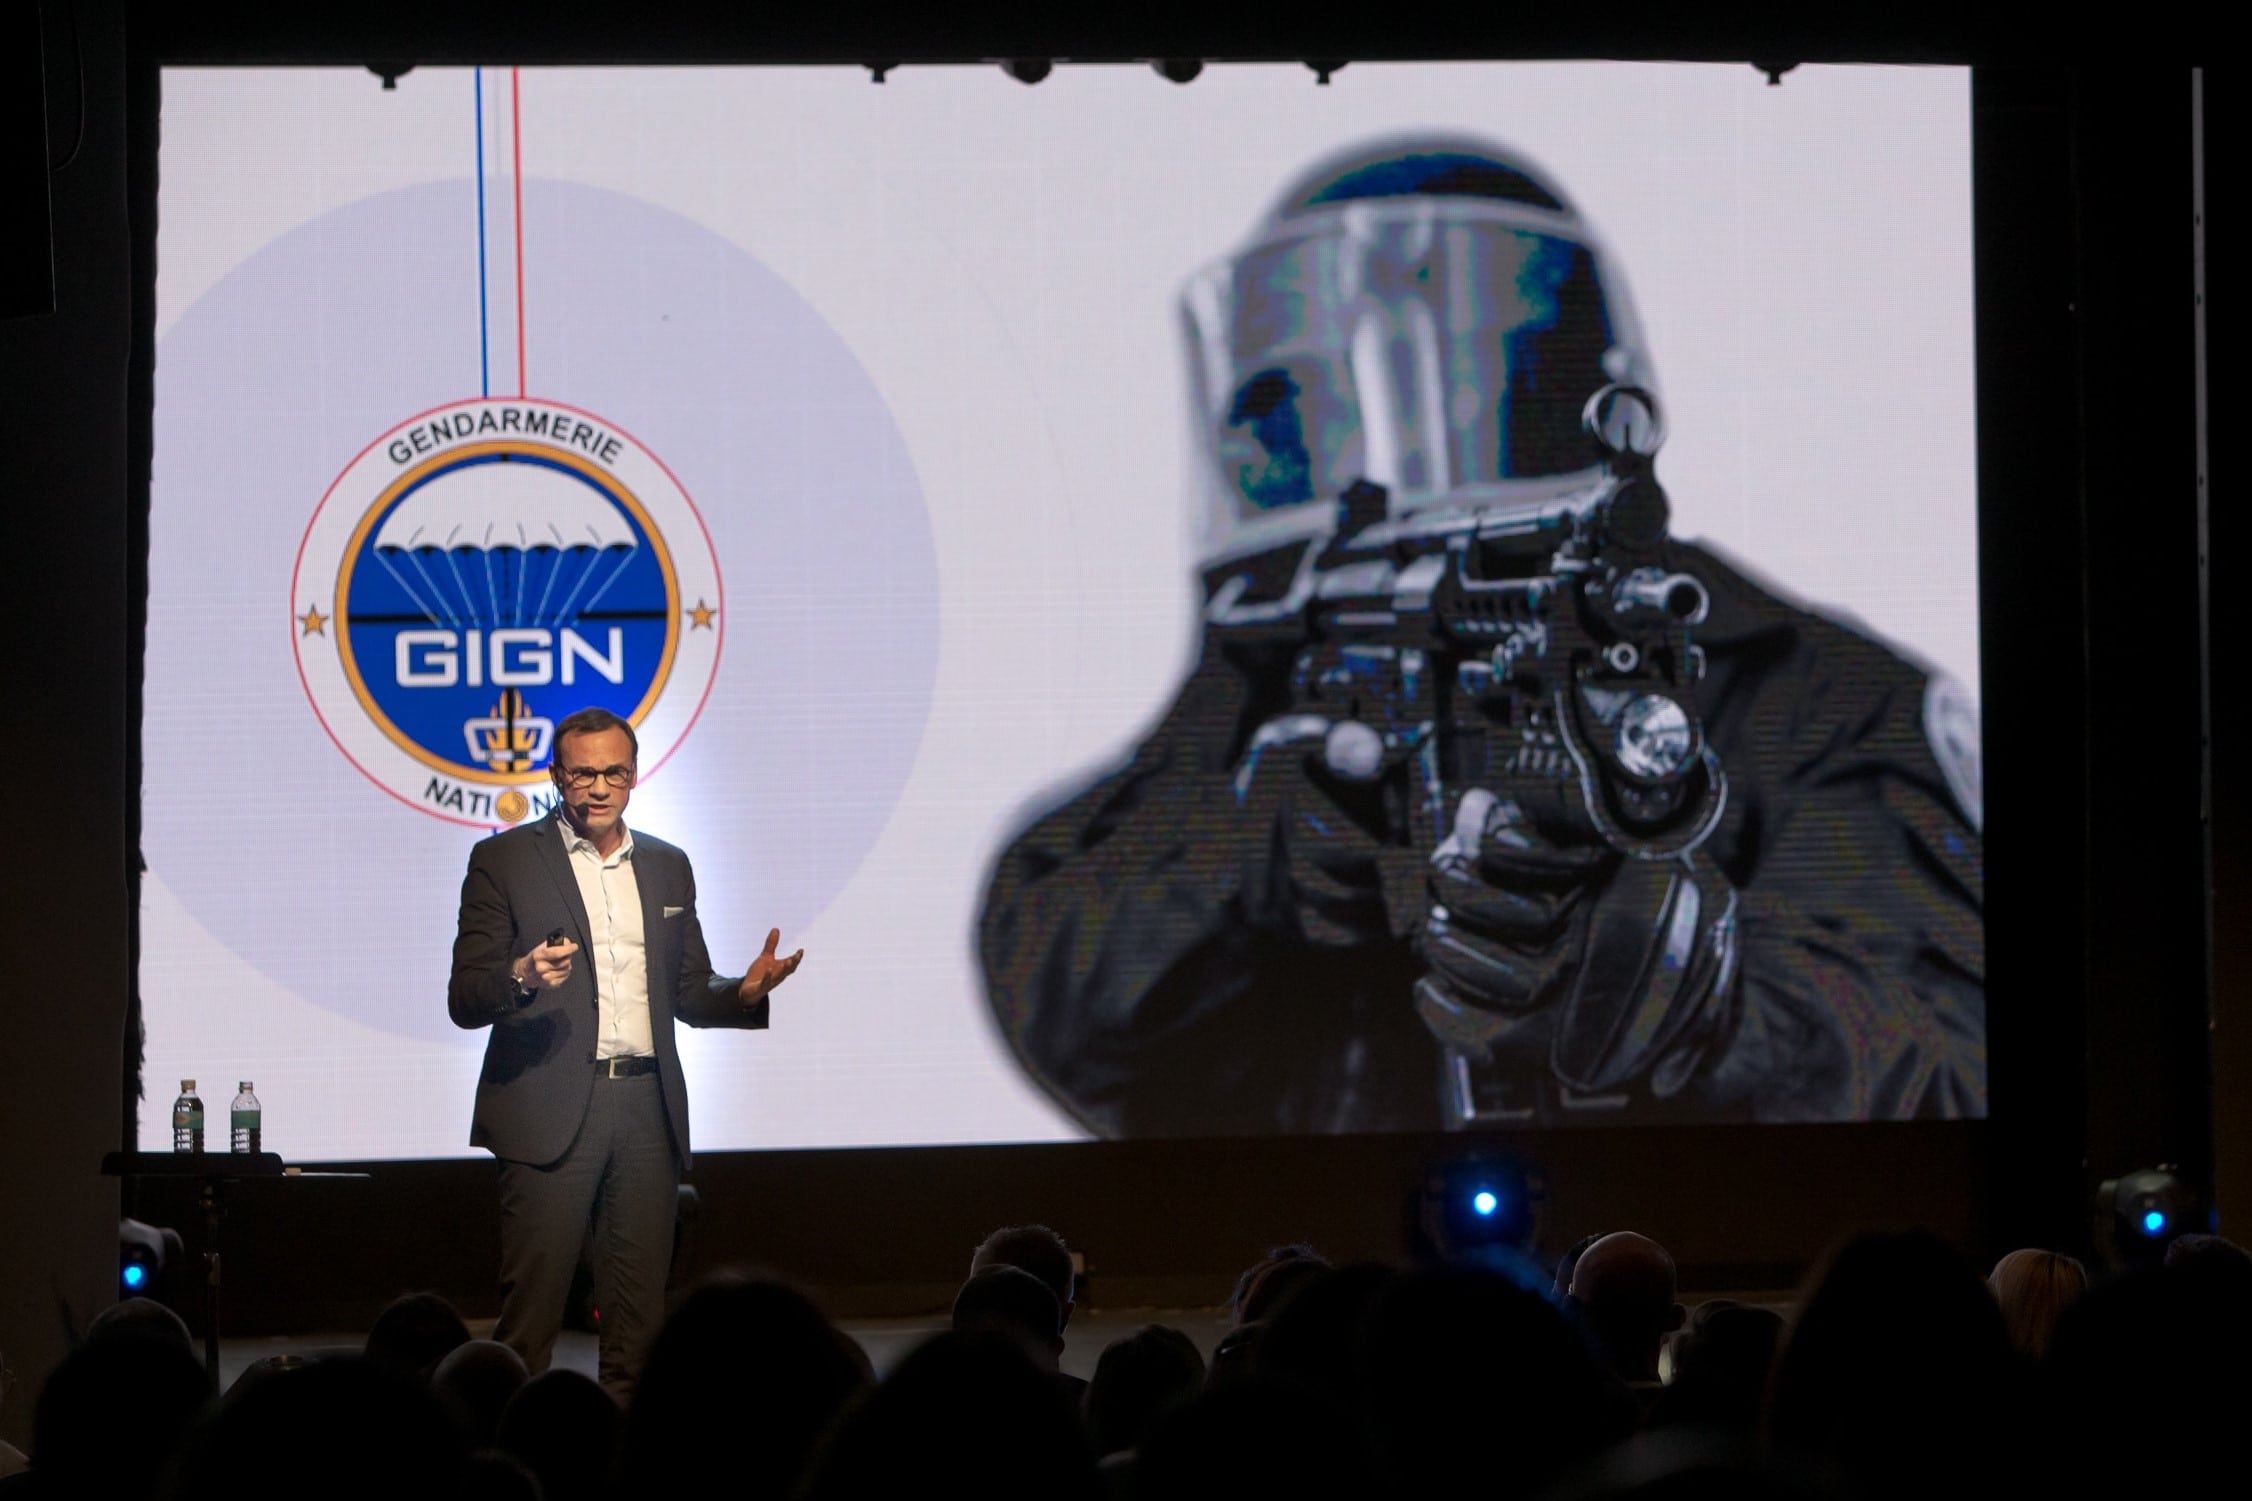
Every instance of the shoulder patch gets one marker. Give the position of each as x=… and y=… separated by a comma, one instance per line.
x=1951, y=725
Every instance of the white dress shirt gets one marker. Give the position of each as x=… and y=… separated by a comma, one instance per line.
x=616, y=946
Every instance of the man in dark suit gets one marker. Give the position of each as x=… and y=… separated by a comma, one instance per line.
x=581, y=1097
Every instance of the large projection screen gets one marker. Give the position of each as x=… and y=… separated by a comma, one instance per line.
x=906, y=462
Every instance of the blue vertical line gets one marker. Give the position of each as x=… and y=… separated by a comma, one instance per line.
x=484, y=314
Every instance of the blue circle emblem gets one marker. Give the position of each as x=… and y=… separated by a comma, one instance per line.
x=496, y=565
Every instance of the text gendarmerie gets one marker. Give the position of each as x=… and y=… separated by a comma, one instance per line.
x=504, y=421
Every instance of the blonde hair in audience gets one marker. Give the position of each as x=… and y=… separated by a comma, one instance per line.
x=2034, y=1289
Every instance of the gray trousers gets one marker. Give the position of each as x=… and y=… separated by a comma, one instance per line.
x=616, y=1184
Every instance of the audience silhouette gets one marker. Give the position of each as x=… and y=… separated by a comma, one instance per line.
x=1720, y=1363
x=143, y=1318
x=967, y=1413
x=1266, y=1282
x=349, y=1428
x=414, y=1333
x=1899, y=1371
x=564, y=1428
x=1011, y=1301
x=1139, y=1380
x=1623, y=1286
x=82, y=1441
x=1474, y=1384
x=742, y=1382
x=476, y=1381
x=2033, y=1289
x=1250, y=1438
x=1038, y=1250
x=1897, y=1374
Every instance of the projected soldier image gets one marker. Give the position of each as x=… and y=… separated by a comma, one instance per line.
x=1488, y=802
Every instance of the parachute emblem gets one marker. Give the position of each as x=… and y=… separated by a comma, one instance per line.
x=491, y=568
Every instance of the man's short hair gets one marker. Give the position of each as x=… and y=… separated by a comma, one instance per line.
x=142, y=1318
x=1011, y=1299
x=415, y=1332
x=592, y=722
x=1268, y=1281
x=1032, y=1248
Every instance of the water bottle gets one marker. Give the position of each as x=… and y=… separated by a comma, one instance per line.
x=242, y=1115
x=187, y=1120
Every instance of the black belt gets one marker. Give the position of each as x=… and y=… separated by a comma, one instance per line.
x=624, y=1068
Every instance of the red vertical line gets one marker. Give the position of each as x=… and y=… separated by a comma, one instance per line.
x=516, y=145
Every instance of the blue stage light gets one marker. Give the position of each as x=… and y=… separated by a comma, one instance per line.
x=2145, y=1211
x=143, y=1254
x=1480, y=1208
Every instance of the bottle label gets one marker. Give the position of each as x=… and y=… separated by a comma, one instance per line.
x=187, y=1124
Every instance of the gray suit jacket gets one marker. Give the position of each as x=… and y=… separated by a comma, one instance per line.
x=539, y=1061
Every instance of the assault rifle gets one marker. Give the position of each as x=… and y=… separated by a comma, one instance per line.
x=1545, y=658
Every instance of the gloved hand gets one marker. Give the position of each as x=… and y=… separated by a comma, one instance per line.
x=1606, y=968
x=1329, y=868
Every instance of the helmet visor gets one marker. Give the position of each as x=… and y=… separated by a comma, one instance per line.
x=1436, y=347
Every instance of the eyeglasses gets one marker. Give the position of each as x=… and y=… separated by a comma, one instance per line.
x=579, y=778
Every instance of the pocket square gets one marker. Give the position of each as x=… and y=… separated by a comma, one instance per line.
x=674, y=911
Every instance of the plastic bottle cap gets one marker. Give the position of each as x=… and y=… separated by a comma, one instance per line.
x=246, y=1086
x=187, y=1086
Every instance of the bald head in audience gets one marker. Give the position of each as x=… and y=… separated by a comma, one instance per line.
x=1624, y=1286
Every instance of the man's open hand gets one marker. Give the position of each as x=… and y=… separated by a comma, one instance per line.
x=768, y=971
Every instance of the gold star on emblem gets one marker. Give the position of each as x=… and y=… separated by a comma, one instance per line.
x=312, y=620
x=701, y=616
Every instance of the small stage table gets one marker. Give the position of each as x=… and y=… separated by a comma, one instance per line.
x=210, y=1170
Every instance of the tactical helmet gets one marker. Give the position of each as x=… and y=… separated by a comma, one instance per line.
x=1430, y=314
